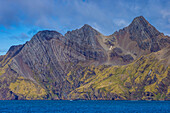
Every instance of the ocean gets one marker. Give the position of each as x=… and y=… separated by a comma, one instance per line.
x=82, y=106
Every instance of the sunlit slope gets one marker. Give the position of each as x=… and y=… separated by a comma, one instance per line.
x=148, y=78
x=132, y=63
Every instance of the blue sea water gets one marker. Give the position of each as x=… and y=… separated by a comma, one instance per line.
x=35, y=106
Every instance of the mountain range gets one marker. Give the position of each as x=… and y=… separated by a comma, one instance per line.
x=131, y=64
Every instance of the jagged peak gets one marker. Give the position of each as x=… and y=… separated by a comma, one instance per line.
x=141, y=24
x=140, y=20
x=47, y=32
x=12, y=48
x=85, y=29
x=86, y=26
x=46, y=35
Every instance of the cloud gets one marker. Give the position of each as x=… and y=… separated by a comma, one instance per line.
x=20, y=37
x=67, y=15
x=165, y=13
x=32, y=31
x=96, y=26
x=21, y=19
x=167, y=34
x=3, y=51
x=4, y=31
x=120, y=22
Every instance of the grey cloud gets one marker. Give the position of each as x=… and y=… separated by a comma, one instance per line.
x=4, y=31
x=68, y=14
x=20, y=37
x=120, y=22
x=2, y=50
x=32, y=32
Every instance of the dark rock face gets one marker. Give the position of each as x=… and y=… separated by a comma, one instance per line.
x=111, y=41
x=143, y=30
x=48, y=57
x=85, y=41
x=1, y=58
x=12, y=52
x=140, y=37
x=154, y=47
x=117, y=50
x=127, y=58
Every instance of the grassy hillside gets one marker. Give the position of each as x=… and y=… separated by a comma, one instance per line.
x=147, y=78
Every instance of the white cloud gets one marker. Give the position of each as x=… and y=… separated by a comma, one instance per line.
x=120, y=22
x=165, y=13
x=2, y=52
x=96, y=26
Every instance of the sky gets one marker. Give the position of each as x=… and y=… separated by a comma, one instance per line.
x=21, y=19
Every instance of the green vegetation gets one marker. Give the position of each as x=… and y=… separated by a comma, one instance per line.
x=143, y=76
x=27, y=89
x=147, y=78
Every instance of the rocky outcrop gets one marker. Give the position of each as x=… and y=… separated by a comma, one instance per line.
x=141, y=38
x=86, y=41
x=78, y=64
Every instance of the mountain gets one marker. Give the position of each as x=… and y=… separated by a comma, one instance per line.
x=131, y=64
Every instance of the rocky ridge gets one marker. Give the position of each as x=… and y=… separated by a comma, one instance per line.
x=132, y=63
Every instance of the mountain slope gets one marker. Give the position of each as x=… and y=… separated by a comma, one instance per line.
x=53, y=66
x=146, y=78
x=139, y=38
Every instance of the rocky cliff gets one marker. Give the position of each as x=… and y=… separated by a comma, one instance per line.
x=132, y=63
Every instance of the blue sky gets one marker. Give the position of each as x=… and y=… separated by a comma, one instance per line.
x=21, y=19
